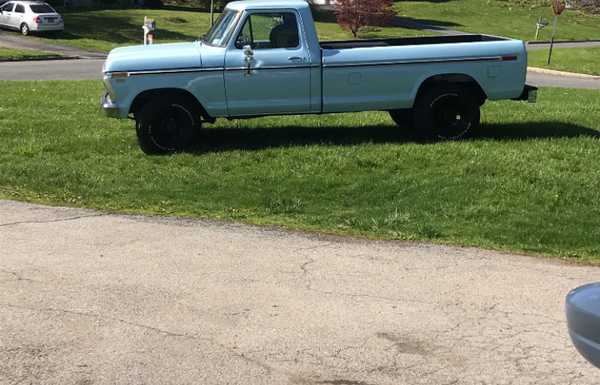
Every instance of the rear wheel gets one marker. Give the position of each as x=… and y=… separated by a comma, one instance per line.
x=167, y=125
x=25, y=29
x=446, y=112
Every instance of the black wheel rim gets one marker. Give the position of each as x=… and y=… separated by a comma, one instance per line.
x=168, y=130
x=452, y=116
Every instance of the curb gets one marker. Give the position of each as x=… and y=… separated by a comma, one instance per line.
x=562, y=73
x=534, y=42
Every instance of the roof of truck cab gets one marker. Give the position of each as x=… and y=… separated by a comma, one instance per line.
x=267, y=4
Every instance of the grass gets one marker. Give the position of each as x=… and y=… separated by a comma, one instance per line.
x=17, y=54
x=103, y=30
x=527, y=181
x=581, y=60
x=504, y=18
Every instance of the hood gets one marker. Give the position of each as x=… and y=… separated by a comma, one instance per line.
x=154, y=57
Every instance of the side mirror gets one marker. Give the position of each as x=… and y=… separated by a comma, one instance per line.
x=583, y=319
x=248, y=52
x=248, y=58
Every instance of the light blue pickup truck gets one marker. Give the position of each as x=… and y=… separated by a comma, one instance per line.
x=263, y=57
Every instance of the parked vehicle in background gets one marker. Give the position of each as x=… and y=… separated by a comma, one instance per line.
x=263, y=57
x=583, y=321
x=30, y=16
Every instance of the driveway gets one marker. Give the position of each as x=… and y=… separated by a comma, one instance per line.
x=10, y=39
x=93, y=298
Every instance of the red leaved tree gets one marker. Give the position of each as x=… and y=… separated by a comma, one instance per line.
x=357, y=14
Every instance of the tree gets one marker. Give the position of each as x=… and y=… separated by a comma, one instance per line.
x=357, y=14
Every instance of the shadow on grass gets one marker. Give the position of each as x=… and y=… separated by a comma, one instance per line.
x=183, y=8
x=412, y=23
x=109, y=27
x=328, y=16
x=226, y=139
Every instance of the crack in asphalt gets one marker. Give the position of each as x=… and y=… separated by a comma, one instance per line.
x=52, y=220
x=18, y=276
x=342, y=382
x=164, y=332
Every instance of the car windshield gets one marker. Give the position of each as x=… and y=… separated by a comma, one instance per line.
x=41, y=8
x=217, y=35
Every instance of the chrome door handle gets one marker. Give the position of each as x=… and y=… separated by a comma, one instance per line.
x=295, y=58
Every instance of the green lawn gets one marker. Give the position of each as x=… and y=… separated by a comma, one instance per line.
x=529, y=180
x=16, y=54
x=102, y=30
x=499, y=17
x=582, y=60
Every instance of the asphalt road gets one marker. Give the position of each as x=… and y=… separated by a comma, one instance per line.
x=545, y=80
x=91, y=69
x=92, y=298
x=532, y=46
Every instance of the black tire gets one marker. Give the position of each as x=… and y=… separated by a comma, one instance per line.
x=167, y=125
x=446, y=112
x=24, y=28
x=403, y=118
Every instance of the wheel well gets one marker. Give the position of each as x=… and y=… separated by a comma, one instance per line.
x=462, y=80
x=144, y=97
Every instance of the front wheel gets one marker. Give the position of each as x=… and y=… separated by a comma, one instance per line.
x=446, y=112
x=167, y=126
x=25, y=29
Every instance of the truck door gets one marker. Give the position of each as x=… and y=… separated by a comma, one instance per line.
x=267, y=66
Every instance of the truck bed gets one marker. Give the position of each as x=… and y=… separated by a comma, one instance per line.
x=427, y=40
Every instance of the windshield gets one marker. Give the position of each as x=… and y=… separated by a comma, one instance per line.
x=41, y=8
x=218, y=33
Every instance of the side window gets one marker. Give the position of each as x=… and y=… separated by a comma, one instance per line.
x=7, y=7
x=20, y=8
x=270, y=30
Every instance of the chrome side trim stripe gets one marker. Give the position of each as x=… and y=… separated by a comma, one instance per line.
x=174, y=71
x=216, y=69
x=273, y=68
x=341, y=65
x=418, y=61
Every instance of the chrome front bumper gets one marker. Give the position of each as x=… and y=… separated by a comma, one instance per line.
x=109, y=107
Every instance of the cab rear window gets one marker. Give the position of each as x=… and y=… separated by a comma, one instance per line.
x=41, y=8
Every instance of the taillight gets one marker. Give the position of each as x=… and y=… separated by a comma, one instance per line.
x=37, y=20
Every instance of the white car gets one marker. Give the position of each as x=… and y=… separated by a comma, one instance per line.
x=30, y=16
